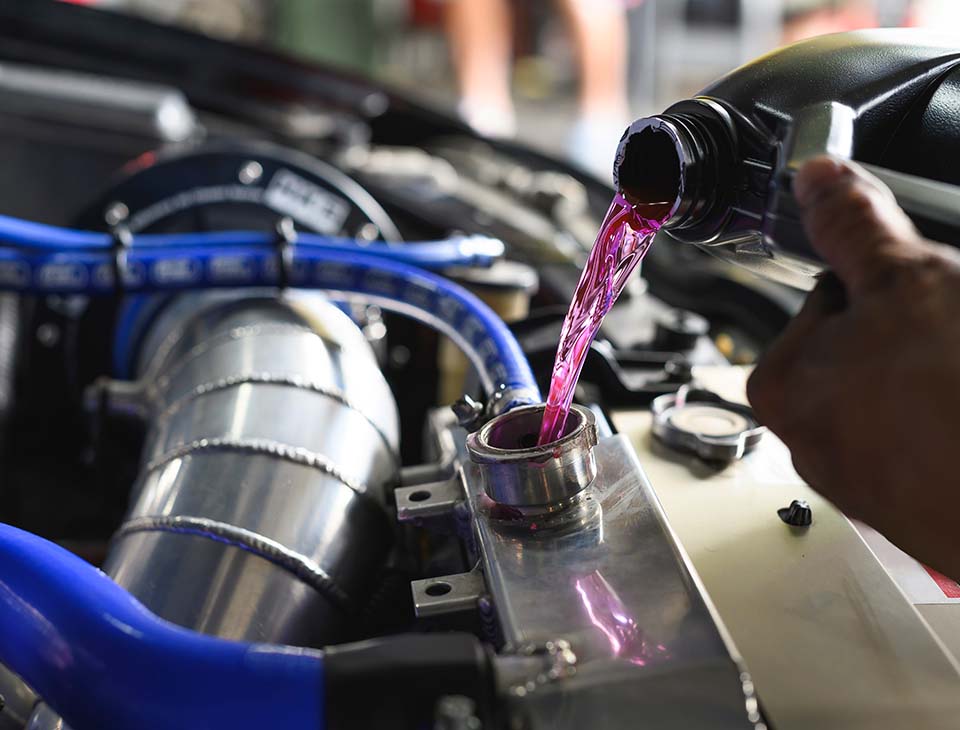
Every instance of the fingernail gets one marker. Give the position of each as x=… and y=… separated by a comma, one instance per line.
x=817, y=176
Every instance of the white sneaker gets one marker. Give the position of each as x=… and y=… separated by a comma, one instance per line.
x=592, y=143
x=489, y=120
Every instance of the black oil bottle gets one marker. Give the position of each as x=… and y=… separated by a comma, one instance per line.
x=889, y=99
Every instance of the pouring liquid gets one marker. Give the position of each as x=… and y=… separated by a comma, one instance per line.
x=625, y=237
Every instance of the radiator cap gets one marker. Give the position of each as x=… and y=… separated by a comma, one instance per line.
x=701, y=422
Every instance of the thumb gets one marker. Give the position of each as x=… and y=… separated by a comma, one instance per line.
x=854, y=222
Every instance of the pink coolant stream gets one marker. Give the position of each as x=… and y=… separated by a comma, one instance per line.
x=624, y=239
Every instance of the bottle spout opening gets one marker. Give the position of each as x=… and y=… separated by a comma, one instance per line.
x=649, y=168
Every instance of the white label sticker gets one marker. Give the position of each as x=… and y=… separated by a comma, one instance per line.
x=62, y=275
x=306, y=203
x=175, y=271
x=230, y=268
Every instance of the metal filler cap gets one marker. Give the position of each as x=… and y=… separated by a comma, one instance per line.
x=518, y=473
x=701, y=422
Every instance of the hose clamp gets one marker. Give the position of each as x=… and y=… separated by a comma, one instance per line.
x=121, y=241
x=284, y=242
x=508, y=397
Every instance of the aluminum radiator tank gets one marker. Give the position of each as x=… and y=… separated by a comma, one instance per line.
x=258, y=513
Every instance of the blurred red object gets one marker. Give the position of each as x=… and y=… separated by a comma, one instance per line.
x=426, y=13
x=852, y=15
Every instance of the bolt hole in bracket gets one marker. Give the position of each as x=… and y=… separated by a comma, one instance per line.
x=430, y=500
x=447, y=594
x=438, y=588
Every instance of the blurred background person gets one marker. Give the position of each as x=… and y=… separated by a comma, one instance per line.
x=563, y=76
x=481, y=40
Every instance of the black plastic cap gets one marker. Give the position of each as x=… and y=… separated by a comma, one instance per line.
x=798, y=514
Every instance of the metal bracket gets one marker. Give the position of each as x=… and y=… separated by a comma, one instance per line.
x=106, y=396
x=448, y=593
x=122, y=241
x=429, y=500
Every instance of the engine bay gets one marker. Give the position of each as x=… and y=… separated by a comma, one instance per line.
x=258, y=443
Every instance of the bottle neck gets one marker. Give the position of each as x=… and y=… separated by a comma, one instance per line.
x=668, y=165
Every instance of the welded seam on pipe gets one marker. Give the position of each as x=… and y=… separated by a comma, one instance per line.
x=280, y=555
x=268, y=447
x=174, y=337
x=219, y=338
x=266, y=378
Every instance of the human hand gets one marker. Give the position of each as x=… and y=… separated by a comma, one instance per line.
x=866, y=392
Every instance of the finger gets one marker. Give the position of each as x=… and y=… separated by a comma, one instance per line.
x=822, y=171
x=826, y=299
x=854, y=223
x=768, y=388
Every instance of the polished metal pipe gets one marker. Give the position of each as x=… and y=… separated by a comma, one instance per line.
x=258, y=513
x=17, y=699
x=10, y=337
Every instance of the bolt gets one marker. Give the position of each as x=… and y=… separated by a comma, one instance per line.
x=116, y=213
x=250, y=172
x=678, y=370
x=368, y=232
x=456, y=712
x=468, y=411
x=48, y=334
x=399, y=356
